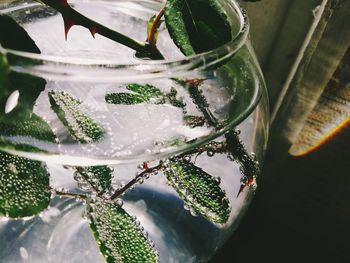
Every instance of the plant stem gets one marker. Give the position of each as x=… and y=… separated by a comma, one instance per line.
x=69, y=194
x=217, y=147
x=248, y=163
x=72, y=17
x=154, y=29
x=214, y=147
x=146, y=172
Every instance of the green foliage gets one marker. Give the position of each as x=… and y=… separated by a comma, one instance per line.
x=147, y=91
x=99, y=177
x=3, y=73
x=124, y=98
x=199, y=190
x=197, y=26
x=144, y=93
x=15, y=37
x=24, y=186
x=80, y=126
x=33, y=127
x=119, y=237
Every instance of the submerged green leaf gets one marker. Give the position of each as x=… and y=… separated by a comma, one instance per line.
x=81, y=127
x=99, y=177
x=124, y=98
x=143, y=93
x=33, y=128
x=119, y=237
x=24, y=186
x=147, y=91
x=199, y=190
x=197, y=26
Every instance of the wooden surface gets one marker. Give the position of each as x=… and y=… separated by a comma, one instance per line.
x=278, y=29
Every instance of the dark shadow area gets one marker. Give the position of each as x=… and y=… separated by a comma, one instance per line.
x=301, y=212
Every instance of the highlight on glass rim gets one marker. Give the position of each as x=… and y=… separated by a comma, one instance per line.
x=130, y=130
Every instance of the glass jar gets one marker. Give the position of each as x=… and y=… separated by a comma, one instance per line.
x=105, y=154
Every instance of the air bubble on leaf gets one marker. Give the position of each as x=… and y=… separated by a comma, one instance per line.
x=119, y=202
x=210, y=153
x=217, y=179
x=199, y=190
x=140, y=180
x=193, y=212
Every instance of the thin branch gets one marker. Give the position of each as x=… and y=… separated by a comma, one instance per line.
x=72, y=17
x=249, y=165
x=134, y=181
x=68, y=194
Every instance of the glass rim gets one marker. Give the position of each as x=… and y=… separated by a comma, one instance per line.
x=143, y=69
x=53, y=66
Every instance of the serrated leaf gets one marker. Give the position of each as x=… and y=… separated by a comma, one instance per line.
x=24, y=186
x=99, y=177
x=199, y=190
x=120, y=239
x=80, y=126
x=197, y=26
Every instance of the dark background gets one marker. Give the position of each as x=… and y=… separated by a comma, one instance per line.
x=301, y=211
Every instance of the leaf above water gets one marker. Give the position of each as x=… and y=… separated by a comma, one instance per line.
x=24, y=186
x=119, y=237
x=80, y=126
x=199, y=190
x=197, y=26
x=13, y=36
